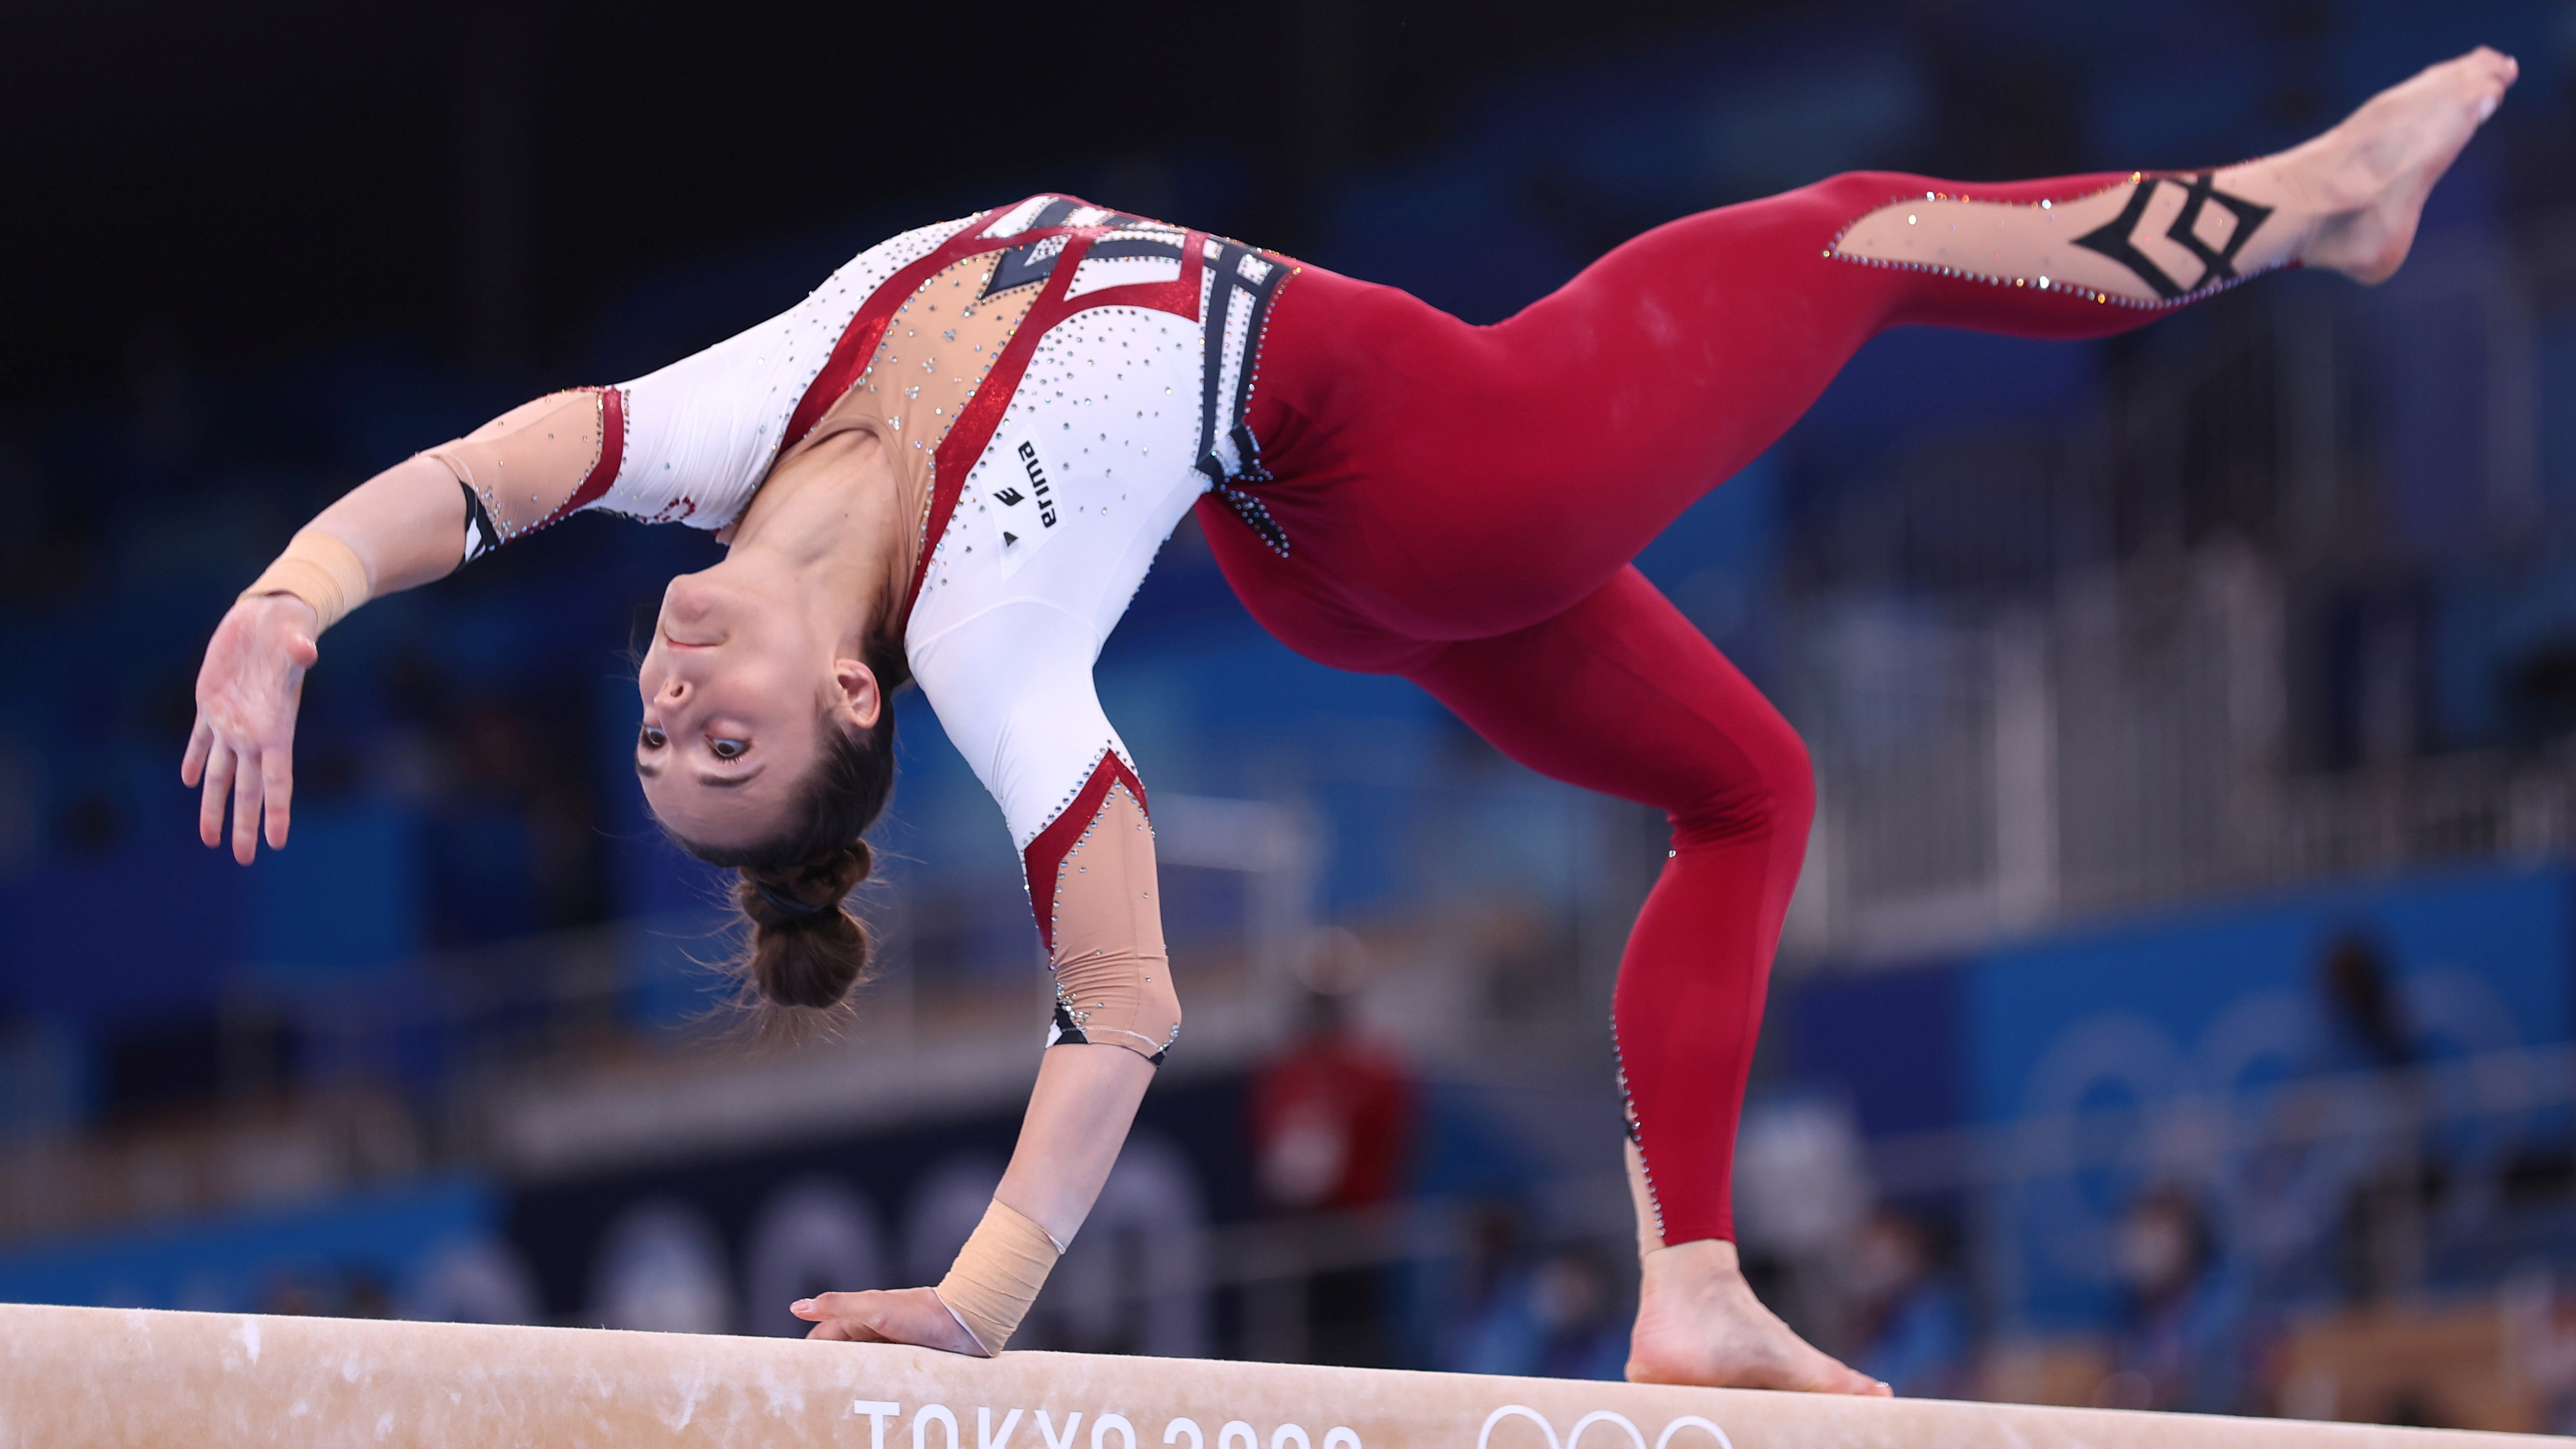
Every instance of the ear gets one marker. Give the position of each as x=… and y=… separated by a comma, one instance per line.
x=854, y=698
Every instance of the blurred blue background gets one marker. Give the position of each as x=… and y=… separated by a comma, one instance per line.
x=2175, y=1011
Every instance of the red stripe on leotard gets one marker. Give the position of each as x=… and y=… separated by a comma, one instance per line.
x=612, y=449
x=1046, y=854
x=858, y=345
x=612, y=456
x=973, y=431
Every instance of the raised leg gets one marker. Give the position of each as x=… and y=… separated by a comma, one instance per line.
x=1568, y=436
x=2346, y=201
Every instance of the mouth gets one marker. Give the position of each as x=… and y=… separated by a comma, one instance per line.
x=678, y=643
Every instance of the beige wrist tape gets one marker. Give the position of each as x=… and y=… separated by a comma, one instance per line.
x=320, y=570
x=997, y=1274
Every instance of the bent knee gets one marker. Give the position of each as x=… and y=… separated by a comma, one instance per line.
x=1768, y=787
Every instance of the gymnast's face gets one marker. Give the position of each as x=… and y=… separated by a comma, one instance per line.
x=737, y=688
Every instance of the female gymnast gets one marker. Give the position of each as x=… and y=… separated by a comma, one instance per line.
x=953, y=463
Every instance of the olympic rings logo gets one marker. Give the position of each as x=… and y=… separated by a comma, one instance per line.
x=1574, y=1439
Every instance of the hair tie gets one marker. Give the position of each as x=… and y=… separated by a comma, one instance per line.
x=788, y=905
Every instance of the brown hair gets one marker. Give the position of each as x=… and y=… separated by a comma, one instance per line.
x=806, y=949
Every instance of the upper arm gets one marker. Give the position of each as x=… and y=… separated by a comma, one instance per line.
x=534, y=464
x=1013, y=688
x=687, y=443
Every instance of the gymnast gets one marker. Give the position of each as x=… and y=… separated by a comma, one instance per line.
x=953, y=463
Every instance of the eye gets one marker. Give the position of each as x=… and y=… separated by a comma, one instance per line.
x=653, y=739
x=728, y=749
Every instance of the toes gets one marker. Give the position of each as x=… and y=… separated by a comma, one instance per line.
x=1828, y=1375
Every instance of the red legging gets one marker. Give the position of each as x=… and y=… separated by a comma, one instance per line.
x=1462, y=504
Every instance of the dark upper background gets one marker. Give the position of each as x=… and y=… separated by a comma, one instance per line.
x=242, y=182
x=251, y=180
x=248, y=256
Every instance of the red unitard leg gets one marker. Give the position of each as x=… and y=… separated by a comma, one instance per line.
x=1463, y=502
x=1623, y=695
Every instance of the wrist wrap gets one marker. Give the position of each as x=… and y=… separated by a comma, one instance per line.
x=997, y=1274
x=320, y=570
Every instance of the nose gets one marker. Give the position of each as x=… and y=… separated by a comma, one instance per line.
x=674, y=691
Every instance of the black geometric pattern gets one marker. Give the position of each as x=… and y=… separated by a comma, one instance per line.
x=480, y=536
x=1255, y=515
x=1229, y=416
x=1063, y=1030
x=2219, y=265
x=2112, y=239
x=1020, y=265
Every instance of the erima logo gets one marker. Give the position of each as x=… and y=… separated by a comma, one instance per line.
x=1037, y=483
x=1009, y=497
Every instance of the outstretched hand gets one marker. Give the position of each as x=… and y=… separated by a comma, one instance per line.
x=903, y=1315
x=243, y=746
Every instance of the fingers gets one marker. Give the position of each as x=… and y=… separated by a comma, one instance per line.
x=245, y=813
x=839, y=1305
x=840, y=1330
x=219, y=785
x=907, y=1315
x=277, y=780
x=192, y=765
x=845, y=1317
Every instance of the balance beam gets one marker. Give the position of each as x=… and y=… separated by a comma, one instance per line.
x=100, y=1376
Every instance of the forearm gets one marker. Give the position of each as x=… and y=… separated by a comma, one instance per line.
x=1078, y=1117
x=1085, y=1100
x=406, y=524
x=409, y=525
x=1115, y=1016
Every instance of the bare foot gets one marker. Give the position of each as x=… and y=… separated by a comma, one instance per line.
x=1699, y=1323
x=2365, y=181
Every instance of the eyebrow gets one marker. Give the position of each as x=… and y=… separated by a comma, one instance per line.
x=652, y=770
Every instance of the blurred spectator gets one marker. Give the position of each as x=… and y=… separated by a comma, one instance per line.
x=2540, y=1343
x=1559, y=1318
x=2380, y=1240
x=1497, y=1237
x=1911, y=1318
x=2362, y=1017
x=2182, y=1343
x=1802, y=1198
x=1332, y=1123
x=1332, y=1115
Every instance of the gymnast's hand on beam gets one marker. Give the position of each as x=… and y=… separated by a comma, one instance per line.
x=243, y=746
x=905, y=1315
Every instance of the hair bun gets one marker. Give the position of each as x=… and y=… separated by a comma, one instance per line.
x=856, y=864
x=807, y=950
